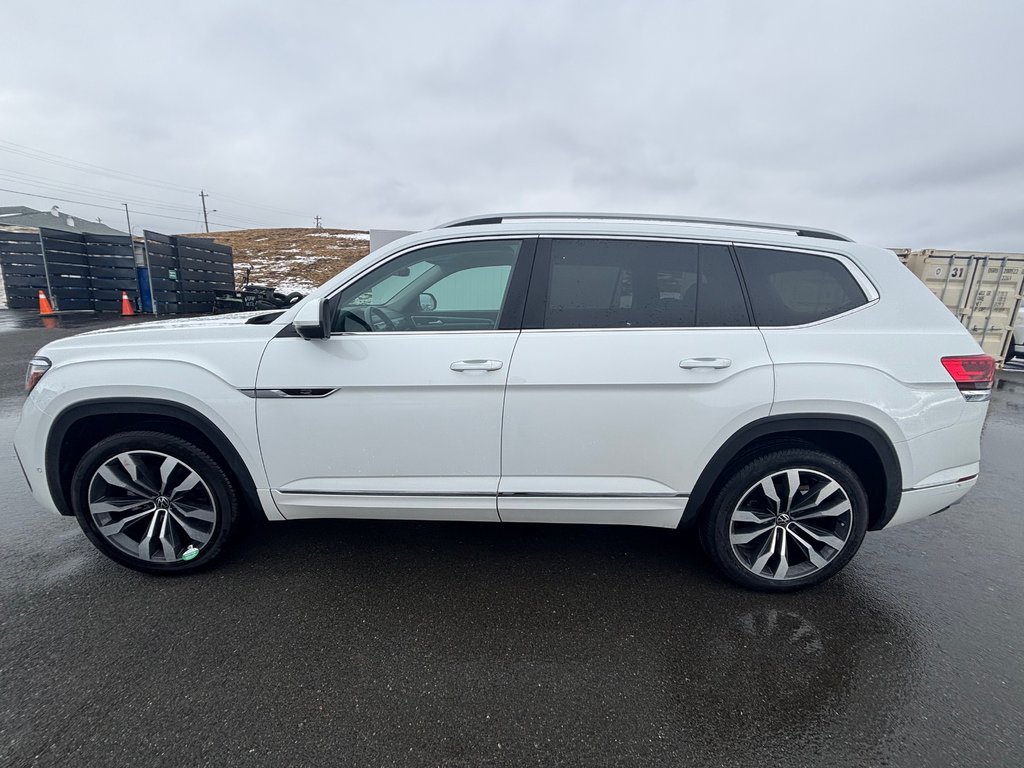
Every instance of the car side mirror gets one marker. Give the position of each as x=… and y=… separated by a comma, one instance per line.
x=427, y=302
x=312, y=320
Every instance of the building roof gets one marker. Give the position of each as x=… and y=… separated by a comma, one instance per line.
x=20, y=216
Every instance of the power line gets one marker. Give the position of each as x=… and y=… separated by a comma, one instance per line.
x=89, y=192
x=67, y=162
x=113, y=208
x=258, y=205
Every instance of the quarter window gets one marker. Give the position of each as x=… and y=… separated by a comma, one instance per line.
x=790, y=288
x=641, y=284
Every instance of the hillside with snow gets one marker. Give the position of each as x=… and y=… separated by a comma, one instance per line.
x=291, y=259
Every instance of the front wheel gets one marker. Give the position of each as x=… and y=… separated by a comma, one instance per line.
x=786, y=520
x=154, y=502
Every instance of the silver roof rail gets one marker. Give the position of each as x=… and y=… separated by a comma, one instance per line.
x=500, y=218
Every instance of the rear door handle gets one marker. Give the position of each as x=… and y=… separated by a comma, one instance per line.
x=705, y=362
x=476, y=365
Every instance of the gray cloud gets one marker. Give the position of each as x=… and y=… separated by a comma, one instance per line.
x=900, y=123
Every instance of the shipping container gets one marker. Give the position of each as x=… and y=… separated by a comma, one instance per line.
x=903, y=254
x=982, y=289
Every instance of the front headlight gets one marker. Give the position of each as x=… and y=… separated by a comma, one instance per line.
x=37, y=366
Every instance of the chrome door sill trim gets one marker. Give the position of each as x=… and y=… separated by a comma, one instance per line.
x=385, y=493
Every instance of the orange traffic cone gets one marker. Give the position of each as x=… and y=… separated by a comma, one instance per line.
x=126, y=305
x=44, y=305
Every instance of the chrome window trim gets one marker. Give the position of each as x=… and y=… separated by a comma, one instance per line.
x=422, y=246
x=419, y=247
x=865, y=283
x=870, y=290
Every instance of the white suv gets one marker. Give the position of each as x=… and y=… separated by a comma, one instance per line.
x=782, y=388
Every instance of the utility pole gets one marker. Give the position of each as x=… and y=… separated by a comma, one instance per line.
x=203, y=196
x=318, y=223
x=127, y=216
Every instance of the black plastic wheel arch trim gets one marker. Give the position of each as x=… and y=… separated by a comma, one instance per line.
x=811, y=422
x=143, y=407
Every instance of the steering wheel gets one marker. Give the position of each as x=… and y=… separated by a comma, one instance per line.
x=379, y=320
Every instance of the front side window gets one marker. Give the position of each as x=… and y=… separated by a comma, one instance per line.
x=641, y=284
x=447, y=287
x=792, y=288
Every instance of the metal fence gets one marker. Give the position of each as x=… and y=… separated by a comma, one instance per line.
x=82, y=272
x=21, y=260
x=187, y=273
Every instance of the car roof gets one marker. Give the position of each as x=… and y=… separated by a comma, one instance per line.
x=644, y=218
x=867, y=257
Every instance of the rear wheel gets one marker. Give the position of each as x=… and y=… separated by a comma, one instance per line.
x=154, y=502
x=786, y=520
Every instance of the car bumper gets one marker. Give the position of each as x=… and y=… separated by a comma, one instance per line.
x=30, y=447
x=921, y=502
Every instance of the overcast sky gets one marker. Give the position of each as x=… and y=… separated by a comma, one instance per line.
x=898, y=123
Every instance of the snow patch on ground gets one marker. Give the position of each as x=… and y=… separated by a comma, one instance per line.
x=361, y=236
x=291, y=286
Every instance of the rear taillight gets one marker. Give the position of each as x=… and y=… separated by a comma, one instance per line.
x=36, y=368
x=973, y=374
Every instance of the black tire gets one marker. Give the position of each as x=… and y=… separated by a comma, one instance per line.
x=715, y=525
x=226, y=509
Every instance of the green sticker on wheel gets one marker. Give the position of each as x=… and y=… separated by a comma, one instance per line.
x=189, y=553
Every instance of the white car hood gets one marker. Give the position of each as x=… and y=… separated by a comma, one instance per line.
x=210, y=321
x=177, y=338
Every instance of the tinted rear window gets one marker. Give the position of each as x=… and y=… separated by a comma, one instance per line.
x=790, y=288
x=641, y=284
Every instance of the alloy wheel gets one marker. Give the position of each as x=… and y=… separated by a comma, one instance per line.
x=152, y=506
x=790, y=524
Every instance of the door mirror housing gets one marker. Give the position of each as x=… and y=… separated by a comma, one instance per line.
x=427, y=302
x=312, y=321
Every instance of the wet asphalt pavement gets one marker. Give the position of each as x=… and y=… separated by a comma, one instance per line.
x=372, y=643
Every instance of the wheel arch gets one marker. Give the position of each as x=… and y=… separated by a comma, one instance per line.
x=862, y=444
x=66, y=442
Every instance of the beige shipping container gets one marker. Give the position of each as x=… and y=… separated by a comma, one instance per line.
x=982, y=289
x=903, y=254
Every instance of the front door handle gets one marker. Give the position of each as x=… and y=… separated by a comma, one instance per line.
x=476, y=365
x=705, y=362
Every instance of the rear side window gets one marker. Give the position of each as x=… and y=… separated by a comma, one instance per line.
x=790, y=288
x=641, y=284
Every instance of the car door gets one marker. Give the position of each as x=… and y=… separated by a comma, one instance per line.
x=398, y=413
x=636, y=361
